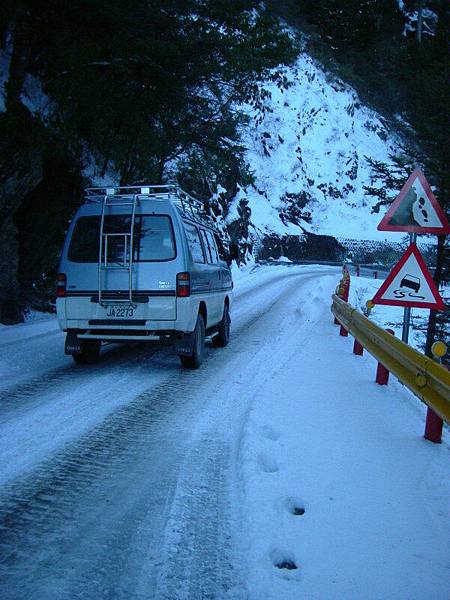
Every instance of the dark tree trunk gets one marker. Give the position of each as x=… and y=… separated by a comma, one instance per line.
x=432, y=321
x=20, y=31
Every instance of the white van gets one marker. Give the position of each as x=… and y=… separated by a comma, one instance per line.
x=143, y=263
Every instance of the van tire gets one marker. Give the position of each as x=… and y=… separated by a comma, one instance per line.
x=223, y=330
x=194, y=360
x=90, y=352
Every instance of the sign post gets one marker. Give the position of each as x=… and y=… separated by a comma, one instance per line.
x=407, y=309
x=415, y=210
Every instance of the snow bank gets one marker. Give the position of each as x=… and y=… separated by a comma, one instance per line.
x=341, y=495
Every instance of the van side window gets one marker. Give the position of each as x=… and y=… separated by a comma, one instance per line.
x=194, y=243
x=212, y=247
x=206, y=246
x=221, y=248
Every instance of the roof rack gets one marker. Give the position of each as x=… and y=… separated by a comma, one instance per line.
x=189, y=206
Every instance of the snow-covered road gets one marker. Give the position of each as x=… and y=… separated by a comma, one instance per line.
x=134, y=479
x=110, y=470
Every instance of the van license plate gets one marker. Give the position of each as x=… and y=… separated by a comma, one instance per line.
x=120, y=312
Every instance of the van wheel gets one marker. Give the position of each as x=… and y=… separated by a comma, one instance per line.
x=90, y=352
x=196, y=358
x=223, y=331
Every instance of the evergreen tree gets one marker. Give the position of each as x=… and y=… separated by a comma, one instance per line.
x=141, y=86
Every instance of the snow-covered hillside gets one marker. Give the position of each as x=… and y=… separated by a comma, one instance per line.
x=308, y=148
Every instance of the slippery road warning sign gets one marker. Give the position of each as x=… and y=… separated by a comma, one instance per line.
x=415, y=209
x=410, y=284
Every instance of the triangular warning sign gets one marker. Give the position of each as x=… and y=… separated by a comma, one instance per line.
x=410, y=284
x=415, y=209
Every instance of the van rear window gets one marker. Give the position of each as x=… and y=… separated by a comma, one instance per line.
x=153, y=239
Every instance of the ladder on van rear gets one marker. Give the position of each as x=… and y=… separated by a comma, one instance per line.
x=128, y=244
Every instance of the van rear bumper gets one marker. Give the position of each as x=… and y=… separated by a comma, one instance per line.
x=125, y=335
x=139, y=327
x=82, y=315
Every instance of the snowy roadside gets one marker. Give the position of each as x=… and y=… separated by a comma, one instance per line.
x=341, y=495
x=29, y=329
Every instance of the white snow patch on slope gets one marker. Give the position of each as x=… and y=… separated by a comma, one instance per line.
x=35, y=99
x=313, y=138
x=93, y=172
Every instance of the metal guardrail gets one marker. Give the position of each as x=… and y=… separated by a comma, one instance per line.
x=428, y=380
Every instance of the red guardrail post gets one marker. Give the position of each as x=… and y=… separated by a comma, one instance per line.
x=346, y=286
x=434, y=423
x=358, y=348
x=338, y=293
x=433, y=427
x=345, y=292
x=382, y=377
x=343, y=332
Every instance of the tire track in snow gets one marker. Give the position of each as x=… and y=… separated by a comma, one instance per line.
x=80, y=489
x=200, y=550
x=23, y=396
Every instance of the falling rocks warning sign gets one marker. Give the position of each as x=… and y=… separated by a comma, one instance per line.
x=410, y=284
x=415, y=209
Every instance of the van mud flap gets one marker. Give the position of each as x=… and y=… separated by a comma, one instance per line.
x=73, y=344
x=184, y=344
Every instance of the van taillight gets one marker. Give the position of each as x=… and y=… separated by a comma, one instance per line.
x=61, y=285
x=183, y=285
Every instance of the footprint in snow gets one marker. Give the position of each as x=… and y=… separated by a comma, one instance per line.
x=285, y=563
x=295, y=506
x=267, y=463
x=270, y=433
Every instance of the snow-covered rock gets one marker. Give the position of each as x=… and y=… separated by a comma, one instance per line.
x=309, y=146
